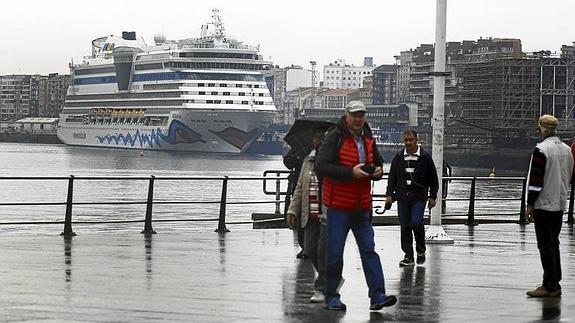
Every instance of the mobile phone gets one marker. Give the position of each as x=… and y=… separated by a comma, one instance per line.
x=370, y=169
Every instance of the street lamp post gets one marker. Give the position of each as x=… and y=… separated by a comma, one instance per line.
x=435, y=232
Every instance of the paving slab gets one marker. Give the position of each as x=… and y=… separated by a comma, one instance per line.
x=253, y=276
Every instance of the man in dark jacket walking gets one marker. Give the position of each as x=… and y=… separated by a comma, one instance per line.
x=348, y=161
x=412, y=182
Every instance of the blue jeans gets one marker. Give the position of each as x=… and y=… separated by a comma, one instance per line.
x=411, y=220
x=338, y=225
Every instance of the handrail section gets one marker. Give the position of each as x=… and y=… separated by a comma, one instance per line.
x=270, y=175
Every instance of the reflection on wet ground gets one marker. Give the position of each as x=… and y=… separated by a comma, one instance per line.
x=253, y=276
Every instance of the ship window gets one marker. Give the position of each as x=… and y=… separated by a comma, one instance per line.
x=108, y=69
x=202, y=93
x=226, y=93
x=261, y=94
x=229, y=102
x=245, y=102
x=214, y=93
x=211, y=85
x=153, y=66
x=201, y=84
x=209, y=101
x=256, y=86
x=241, y=94
x=238, y=85
x=217, y=101
x=223, y=85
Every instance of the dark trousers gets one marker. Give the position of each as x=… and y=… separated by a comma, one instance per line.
x=547, y=228
x=338, y=225
x=315, y=240
x=411, y=220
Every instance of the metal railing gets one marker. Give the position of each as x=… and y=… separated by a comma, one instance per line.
x=275, y=176
x=149, y=201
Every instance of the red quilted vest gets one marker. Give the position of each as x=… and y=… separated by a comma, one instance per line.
x=354, y=195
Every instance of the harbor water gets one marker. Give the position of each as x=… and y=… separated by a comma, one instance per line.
x=59, y=160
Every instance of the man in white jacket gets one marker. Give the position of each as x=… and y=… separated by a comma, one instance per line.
x=550, y=175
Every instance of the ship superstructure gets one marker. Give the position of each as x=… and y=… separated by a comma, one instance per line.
x=198, y=94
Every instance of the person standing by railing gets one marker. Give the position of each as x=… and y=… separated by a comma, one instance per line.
x=348, y=160
x=305, y=212
x=293, y=162
x=550, y=174
x=412, y=182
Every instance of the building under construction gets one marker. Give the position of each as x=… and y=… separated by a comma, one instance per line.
x=500, y=99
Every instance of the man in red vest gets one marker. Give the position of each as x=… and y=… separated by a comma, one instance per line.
x=347, y=162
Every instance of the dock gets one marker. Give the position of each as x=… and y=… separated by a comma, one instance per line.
x=247, y=275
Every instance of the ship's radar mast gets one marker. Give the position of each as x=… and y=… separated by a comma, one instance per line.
x=220, y=31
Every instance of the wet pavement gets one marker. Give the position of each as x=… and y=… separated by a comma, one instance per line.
x=253, y=276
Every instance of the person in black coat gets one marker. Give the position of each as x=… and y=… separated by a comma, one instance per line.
x=412, y=183
x=293, y=162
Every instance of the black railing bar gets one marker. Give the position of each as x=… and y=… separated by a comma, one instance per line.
x=31, y=203
x=31, y=222
x=238, y=178
x=188, y=220
x=138, y=178
x=241, y=222
x=47, y=178
x=110, y=203
x=499, y=178
x=498, y=199
x=187, y=202
x=480, y=214
x=216, y=202
x=255, y=202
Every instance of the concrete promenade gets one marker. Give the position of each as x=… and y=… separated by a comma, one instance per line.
x=253, y=276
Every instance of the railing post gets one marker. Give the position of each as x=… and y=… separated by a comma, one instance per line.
x=471, y=212
x=522, y=219
x=222, y=219
x=68, y=220
x=149, y=203
x=278, y=195
x=571, y=198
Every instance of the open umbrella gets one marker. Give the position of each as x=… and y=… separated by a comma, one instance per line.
x=300, y=135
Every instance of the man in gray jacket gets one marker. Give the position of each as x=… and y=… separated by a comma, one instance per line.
x=550, y=174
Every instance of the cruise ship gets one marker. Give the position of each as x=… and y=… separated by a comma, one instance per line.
x=204, y=94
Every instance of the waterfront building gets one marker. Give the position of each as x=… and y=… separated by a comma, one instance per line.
x=280, y=81
x=52, y=91
x=414, y=83
x=18, y=96
x=500, y=96
x=339, y=75
x=384, y=85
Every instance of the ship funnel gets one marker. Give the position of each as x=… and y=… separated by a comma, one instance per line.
x=123, y=62
x=129, y=35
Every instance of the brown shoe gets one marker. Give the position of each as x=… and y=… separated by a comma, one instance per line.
x=541, y=291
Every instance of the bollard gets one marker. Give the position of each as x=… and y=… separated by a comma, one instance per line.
x=222, y=219
x=471, y=212
x=522, y=219
x=571, y=198
x=68, y=220
x=148, y=222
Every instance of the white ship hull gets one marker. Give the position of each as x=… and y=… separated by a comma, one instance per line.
x=205, y=94
x=186, y=130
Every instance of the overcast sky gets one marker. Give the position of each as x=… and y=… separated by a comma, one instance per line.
x=42, y=36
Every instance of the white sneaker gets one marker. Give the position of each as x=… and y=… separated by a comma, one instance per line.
x=317, y=297
x=340, y=284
